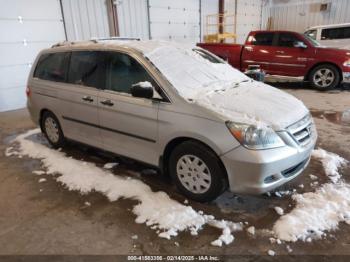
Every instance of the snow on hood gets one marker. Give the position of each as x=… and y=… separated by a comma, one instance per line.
x=221, y=88
x=255, y=103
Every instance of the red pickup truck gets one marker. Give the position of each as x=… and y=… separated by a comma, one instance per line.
x=287, y=55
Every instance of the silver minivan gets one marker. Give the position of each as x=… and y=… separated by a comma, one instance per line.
x=178, y=108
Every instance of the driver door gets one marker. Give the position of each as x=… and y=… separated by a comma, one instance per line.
x=287, y=59
x=129, y=125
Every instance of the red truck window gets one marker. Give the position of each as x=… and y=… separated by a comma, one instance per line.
x=287, y=39
x=261, y=39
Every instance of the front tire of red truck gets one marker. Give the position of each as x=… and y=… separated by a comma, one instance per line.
x=324, y=77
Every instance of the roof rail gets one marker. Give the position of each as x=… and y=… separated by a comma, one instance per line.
x=67, y=43
x=115, y=38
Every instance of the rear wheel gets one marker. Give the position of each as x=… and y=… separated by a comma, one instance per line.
x=324, y=77
x=197, y=172
x=52, y=130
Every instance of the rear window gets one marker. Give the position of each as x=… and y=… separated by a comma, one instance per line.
x=335, y=33
x=52, y=67
x=262, y=39
x=87, y=68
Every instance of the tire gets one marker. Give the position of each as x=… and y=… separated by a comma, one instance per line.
x=324, y=77
x=52, y=130
x=192, y=157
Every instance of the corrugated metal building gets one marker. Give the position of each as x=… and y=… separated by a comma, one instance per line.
x=29, y=26
x=297, y=15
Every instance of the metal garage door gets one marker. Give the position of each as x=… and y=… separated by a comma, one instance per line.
x=175, y=20
x=26, y=27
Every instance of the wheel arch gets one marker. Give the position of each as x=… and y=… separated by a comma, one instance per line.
x=172, y=144
x=41, y=114
x=306, y=78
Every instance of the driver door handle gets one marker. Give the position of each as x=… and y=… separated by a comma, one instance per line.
x=88, y=99
x=107, y=102
x=280, y=52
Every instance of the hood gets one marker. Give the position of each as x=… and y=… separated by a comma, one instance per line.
x=341, y=51
x=253, y=103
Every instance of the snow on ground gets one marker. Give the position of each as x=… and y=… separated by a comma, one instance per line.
x=155, y=209
x=319, y=211
x=279, y=211
x=38, y=172
x=331, y=162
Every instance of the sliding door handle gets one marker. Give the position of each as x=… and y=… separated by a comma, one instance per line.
x=107, y=102
x=88, y=99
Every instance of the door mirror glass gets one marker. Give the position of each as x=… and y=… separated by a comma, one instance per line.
x=299, y=44
x=142, y=89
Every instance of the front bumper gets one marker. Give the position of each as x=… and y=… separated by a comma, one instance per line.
x=346, y=77
x=260, y=171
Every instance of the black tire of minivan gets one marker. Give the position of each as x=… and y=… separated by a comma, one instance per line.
x=332, y=69
x=55, y=143
x=208, y=157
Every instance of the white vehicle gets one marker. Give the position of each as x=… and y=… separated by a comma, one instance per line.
x=337, y=35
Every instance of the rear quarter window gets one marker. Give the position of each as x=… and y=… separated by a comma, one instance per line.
x=52, y=67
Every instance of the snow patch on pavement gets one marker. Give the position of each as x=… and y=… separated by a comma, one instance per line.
x=331, y=163
x=279, y=211
x=319, y=211
x=110, y=165
x=155, y=209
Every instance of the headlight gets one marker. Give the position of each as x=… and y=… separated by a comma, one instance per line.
x=253, y=137
x=347, y=63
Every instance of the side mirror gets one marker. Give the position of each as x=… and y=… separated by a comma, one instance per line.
x=300, y=44
x=142, y=89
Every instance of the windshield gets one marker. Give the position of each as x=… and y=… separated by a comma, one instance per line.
x=192, y=72
x=312, y=41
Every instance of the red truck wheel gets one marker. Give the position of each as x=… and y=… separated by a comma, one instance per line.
x=324, y=77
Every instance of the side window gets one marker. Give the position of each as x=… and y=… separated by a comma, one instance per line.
x=335, y=33
x=346, y=32
x=87, y=68
x=264, y=39
x=312, y=34
x=52, y=67
x=124, y=71
x=287, y=40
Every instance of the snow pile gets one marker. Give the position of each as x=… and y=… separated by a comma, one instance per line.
x=156, y=209
x=331, y=162
x=319, y=211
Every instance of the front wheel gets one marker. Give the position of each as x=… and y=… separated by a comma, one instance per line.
x=197, y=172
x=324, y=77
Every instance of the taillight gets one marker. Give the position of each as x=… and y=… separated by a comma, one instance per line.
x=28, y=91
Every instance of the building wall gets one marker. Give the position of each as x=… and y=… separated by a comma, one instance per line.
x=248, y=16
x=132, y=18
x=26, y=27
x=297, y=15
x=85, y=19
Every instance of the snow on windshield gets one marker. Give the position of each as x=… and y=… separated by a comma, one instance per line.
x=187, y=70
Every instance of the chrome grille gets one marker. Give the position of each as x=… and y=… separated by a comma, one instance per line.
x=302, y=131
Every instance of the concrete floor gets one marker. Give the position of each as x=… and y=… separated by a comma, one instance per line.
x=46, y=218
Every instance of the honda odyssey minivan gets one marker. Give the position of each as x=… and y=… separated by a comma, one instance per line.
x=178, y=108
